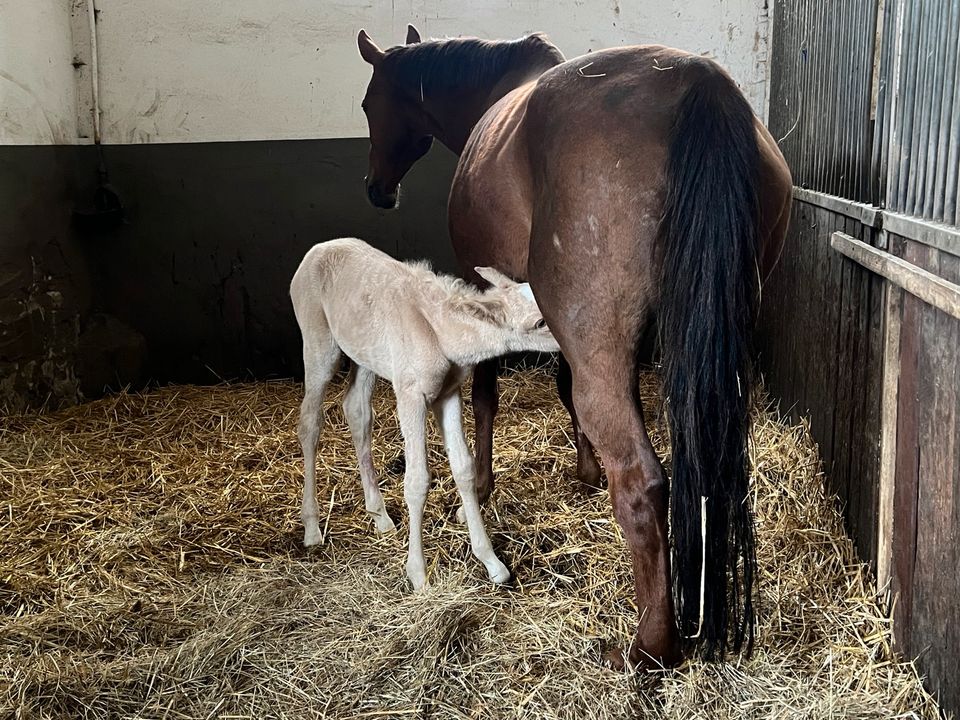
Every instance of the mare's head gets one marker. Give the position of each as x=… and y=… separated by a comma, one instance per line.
x=437, y=88
x=519, y=317
x=400, y=132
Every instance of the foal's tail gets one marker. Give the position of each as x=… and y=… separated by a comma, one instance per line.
x=709, y=296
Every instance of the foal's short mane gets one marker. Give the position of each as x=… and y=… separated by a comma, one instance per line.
x=459, y=296
x=466, y=63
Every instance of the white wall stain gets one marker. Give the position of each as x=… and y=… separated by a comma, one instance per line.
x=38, y=103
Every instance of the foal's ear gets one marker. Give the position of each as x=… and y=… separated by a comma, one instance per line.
x=527, y=291
x=413, y=35
x=368, y=49
x=494, y=277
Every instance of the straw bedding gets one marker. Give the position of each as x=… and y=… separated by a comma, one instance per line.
x=152, y=568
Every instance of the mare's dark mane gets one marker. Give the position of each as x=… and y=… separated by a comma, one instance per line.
x=466, y=63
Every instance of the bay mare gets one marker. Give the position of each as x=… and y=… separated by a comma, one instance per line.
x=625, y=185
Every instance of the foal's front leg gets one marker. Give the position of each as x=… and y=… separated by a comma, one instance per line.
x=412, y=413
x=449, y=414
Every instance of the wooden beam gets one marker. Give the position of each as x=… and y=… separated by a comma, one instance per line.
x=888, y=432
x=861, y=212
x=926, y=232
x=933, y=290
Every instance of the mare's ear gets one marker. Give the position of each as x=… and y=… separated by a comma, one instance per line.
x=494, y=277
x=413, y=35
x=368, y=49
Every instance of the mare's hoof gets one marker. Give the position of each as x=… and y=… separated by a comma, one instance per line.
x=591, y=480
x=613, y=659
x=617, y=659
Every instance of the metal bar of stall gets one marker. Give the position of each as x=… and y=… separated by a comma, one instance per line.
x=915, y=108
x=952, y=58
x=925, y=189
x=896, y=101
x=883, y=89
x=951, y=209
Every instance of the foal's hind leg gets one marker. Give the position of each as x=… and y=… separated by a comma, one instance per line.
x=359, y=413
x=412, y=413
x=588, y=469
x=449, y=414
x=320, y=359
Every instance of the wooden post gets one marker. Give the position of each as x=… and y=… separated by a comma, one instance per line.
x=893, y=299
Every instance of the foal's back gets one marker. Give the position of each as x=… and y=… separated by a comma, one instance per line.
x=371, y=304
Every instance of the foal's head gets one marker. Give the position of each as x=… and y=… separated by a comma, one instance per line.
x=516, y=313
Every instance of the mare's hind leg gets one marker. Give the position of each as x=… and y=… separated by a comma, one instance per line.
x=588, y=469
x=485, y=405
x=320, y=359
x=359, y=413
x=449, y=414
x=605, y=394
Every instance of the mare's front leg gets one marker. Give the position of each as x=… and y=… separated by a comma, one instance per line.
x=359, y=413
x=449, y=414
x=412, y=413
x=588, y=469
x=485, y=405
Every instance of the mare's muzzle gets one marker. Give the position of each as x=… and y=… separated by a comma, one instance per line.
x=380, y=199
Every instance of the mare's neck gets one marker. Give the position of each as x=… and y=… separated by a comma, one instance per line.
x=453, y=113
x=455, y=117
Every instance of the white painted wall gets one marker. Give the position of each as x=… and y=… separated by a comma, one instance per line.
x=38, y=103
x=217, y=70
x=186, y=70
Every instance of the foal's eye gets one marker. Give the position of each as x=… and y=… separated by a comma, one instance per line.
x=541, y=324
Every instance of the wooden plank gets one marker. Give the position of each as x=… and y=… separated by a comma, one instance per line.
x=927, y=286
x=873, y=394
x=936, y=590
x=927, y=232
x=861, y=212
x=865, y=416
x=907, y=466
x=826, y=310
x=846, y=362
x=888, y=431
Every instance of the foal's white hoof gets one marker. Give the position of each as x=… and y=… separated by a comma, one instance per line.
x=384, y=524
x=418, y=581
x=312, y=536
x=500, y=575
x=461, y=515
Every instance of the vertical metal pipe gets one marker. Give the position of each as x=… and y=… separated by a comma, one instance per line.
x=936, y=92
x=908, y=97
x=929, y=31
x=896, y=101
x=949, y=115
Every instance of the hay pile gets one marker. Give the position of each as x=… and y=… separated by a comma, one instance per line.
x=152, y=568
